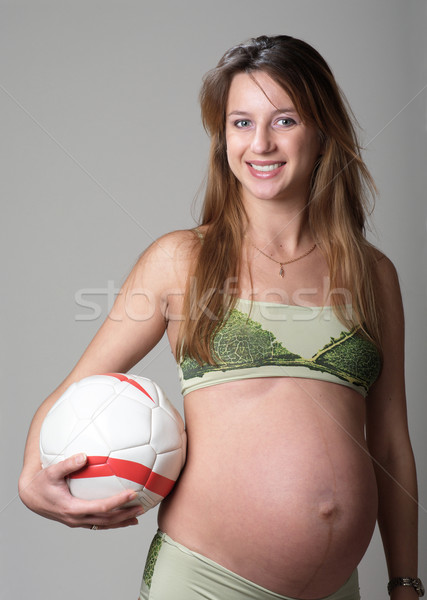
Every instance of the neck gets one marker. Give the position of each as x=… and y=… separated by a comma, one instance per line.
x=278, y=224
x=287, y=232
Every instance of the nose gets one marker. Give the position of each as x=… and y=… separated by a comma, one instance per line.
x=263, y=140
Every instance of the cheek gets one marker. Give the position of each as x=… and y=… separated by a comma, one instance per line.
x=316, y=145
x=309, y=152
x=233, y=150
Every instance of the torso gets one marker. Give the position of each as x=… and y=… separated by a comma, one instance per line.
x=278, y=485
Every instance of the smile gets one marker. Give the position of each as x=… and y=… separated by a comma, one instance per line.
x=266, y=168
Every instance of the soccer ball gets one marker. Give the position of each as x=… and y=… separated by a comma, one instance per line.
x=132, y=435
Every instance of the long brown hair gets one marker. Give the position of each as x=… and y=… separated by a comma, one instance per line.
x=341, y=188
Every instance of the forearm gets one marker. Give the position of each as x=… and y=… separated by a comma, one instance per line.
x=32, y=453
x=398, y=514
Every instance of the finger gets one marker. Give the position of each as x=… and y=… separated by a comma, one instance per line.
x=114, y=504
x=113, y=519
x=109, y=509
x=127, y=523
x=115, y=516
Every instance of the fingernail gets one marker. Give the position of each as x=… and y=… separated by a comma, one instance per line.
x=140, y=512
x=80, y=459
x=133, y=496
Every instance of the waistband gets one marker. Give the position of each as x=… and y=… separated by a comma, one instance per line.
x=218, y=578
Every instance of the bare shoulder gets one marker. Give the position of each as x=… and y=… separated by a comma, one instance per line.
x=176, y=245
x=386, y=278
x=390, y=307
x=168, y=259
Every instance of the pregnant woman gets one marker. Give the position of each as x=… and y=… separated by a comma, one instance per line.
x=287, y=327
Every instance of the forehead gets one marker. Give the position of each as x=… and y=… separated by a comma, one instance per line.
x=256, y=89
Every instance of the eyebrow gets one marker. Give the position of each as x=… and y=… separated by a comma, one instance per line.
x=242, y=113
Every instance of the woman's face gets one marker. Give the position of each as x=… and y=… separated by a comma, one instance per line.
x=270, y=151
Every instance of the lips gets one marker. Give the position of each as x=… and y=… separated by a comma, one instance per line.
x=265, y=169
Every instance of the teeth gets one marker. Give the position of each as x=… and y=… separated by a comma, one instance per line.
x=265, y=168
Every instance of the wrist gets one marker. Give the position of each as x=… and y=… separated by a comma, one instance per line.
x=405, y=587
x=403, y=593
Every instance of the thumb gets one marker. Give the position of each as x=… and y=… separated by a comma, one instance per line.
x=71, y=464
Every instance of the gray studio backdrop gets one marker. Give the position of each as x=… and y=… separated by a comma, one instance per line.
x=102, y=151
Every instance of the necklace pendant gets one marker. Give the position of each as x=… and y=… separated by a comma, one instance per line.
x=282, y=271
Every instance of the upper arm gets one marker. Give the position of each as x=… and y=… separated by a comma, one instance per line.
x=387, y=428
x=138, y=318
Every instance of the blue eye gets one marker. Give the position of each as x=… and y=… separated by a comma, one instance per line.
x=242, y=123
x=286, y=122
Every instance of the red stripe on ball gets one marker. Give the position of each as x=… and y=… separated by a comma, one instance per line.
x=122, y=377
x=103, y=466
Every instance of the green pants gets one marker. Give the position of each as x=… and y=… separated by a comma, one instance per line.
x=173, y=572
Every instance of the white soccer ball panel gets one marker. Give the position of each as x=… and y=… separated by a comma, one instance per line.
x=144, y=455
x=90, y=396
x=125, y=422
x=85, y=437
x=57, y=427
x=165, y=432
x=96, y=488
x=167, y=405
x=170, y=464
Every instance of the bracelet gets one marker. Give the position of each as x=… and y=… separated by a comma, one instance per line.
x=413, y=582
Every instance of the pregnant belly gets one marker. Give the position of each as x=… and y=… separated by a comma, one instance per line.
x=284, y=496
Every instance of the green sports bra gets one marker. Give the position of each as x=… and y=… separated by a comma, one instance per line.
x=265, y=339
